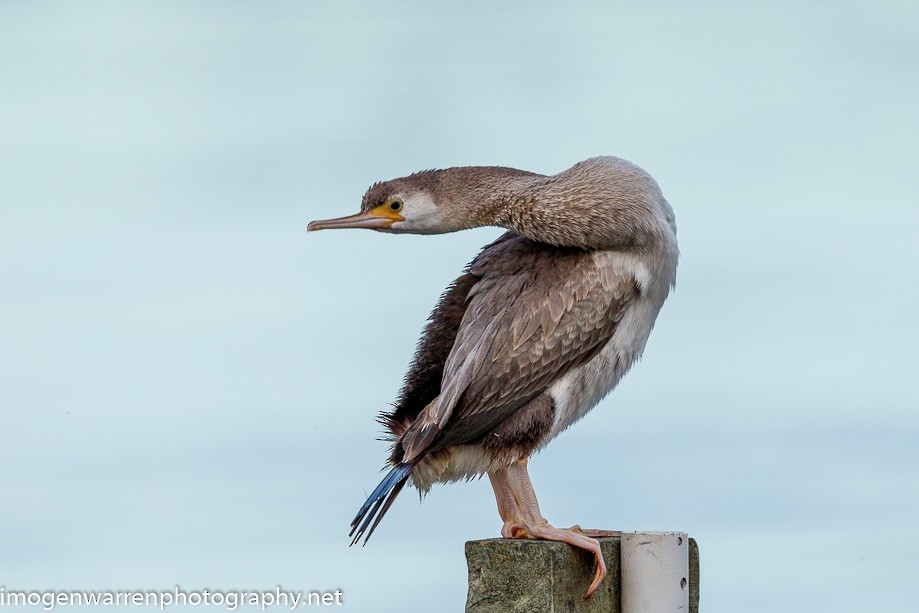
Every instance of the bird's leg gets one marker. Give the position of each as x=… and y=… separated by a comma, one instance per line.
x=508, y=508
x=519, y=509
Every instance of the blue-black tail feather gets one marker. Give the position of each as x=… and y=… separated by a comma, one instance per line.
x=378, y=503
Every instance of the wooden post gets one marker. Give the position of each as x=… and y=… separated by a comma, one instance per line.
x=511, y=576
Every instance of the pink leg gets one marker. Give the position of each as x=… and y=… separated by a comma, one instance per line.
x=519, y=509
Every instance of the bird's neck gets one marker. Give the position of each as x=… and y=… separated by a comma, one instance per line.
x=548, y=211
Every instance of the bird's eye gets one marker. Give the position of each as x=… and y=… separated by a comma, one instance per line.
x=395, y=205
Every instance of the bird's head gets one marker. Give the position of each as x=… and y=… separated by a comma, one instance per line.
x=409, y=205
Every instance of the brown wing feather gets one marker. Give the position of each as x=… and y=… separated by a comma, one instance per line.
x=422, y=382
x=535, y=312
x=425, y=374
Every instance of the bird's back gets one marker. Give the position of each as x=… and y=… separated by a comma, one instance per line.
x=522, y=316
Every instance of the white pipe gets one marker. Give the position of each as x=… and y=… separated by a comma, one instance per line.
x=655, y=572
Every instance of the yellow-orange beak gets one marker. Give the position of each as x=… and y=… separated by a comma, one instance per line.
x=379, y=218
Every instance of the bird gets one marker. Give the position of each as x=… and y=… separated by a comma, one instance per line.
x=540, y=326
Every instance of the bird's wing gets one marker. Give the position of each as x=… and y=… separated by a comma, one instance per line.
x=535, y=312
x=426, y=372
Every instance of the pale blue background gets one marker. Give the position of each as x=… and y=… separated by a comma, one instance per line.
x=188, y=381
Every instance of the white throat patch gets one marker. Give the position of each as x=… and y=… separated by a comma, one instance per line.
x=420, y=213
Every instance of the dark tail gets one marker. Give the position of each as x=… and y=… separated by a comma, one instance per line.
x=379, y=502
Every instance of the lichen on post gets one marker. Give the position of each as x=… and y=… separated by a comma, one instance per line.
x=530, y=576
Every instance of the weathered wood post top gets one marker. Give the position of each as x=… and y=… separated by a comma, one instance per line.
x=658, y=571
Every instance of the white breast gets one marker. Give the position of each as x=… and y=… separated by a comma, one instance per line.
x=579, y=390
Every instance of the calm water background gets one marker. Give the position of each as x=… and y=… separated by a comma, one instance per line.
x=189, y=381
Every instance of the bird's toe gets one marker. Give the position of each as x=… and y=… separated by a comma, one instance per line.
x=596, y=534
